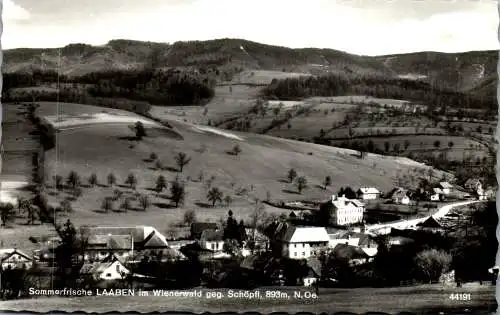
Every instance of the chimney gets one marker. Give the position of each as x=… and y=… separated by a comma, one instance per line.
x=334, y=197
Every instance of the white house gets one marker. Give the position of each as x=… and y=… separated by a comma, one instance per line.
x=111, y=268
x=368, y=193
x=346, y=211
x=304, y=242
x=400, y=196
x=446, y=187
x=212, y=240
x=15, y=259
x=436, y=194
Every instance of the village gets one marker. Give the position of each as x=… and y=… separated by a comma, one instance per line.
x=312, y=246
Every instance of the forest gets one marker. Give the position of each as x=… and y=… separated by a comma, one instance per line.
x=376, y=86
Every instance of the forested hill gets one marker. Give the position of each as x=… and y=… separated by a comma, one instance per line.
x=462, y=71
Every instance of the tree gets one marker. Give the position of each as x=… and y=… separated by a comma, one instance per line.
x=66, y=206
x=93, y=179
x=451, y=144
x=153, y=156
x=432, y=263
x=144, y=202
x=386, y=146
x=236, y=150
x=214, y=195
x=189, y=217
x=396, y=147
x=7, y=213
x=107, y=204
x=30, y=210
x=258, y=217
x=158, y=165
x=73, y=179
x=437, y=144
x=292, y=174
x=111, y=179
x=228, y=200
x=125, y=206
x=327, y=182
x=177, y=191
x=161, y=183
x=131, y=181
x=406, y=144
x=181, y=159
x=301, y=183
x=58, y=181
x=140, y=131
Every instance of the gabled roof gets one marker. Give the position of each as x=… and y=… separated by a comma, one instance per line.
x=198, y=227
x=345, y=251
x=437, y=190
x=119, y=237
x=369, y=190
x=343, y=202
x=99, y=267
x=315, y=266
x=446, y=185
x=430, y=223
x=212, y=235
x=357, y=203
x=308, y=234
x=399, y=193
x=5, y=253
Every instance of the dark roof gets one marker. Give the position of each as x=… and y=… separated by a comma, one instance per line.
x=315, y=266
x=345, y=251
x=430, y=223
x=198, y=227
x=211, y=235
x=110, y=241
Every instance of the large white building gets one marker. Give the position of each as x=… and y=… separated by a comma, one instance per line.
x=346, y=211
x=304, y=242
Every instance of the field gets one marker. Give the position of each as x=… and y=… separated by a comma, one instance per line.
x=416, y=299
x=102, y=148
x=264, y=77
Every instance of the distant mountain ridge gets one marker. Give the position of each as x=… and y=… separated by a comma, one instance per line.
x=469, y=71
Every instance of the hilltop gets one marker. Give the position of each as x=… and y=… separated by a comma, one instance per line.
x=462, y=71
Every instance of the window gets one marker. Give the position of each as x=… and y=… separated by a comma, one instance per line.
x=295, y=245
x=213, y=246
x=295, y=254
x=303, y=254
x=108, y=275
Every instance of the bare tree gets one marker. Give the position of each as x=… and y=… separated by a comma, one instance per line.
x=292, y=174
x=177, y=191
x=7, y=213
x=189, y=217
x=327, y=182
x=181, y=159
x=111, y=179
x=107, y=204
x=73, y=179
x=131, y=181
x=93, y=179
x=301, y=183
x=161, y=183
x=144, y=202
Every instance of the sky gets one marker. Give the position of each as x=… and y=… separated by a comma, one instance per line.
x=366, y=27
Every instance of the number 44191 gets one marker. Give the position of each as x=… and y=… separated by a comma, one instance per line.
x=460, y=297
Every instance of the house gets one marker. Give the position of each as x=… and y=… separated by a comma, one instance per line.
x=212, y=240
x=344, y=211
x=12, y=258
x=303, y=242
x=431, y=224
x=400, y=196
x=111, y=268
x=446, y=187
x=198, y=227
x=368, y=244
x=352, y=254
x=437, y=194
x=314, y=272
x=368, y=193
x=122, y=241
x=472, y=184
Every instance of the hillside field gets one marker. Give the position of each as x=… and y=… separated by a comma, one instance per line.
x=259, y=169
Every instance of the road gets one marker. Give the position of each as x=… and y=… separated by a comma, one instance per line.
x=404, y=224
